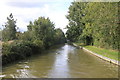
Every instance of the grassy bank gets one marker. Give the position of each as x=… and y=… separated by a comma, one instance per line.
x=112, y=54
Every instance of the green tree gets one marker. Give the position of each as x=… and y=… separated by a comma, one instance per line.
x=9, y=31
x=59, y=36
x=76, y=25
x=97, y=23
x=42, y=29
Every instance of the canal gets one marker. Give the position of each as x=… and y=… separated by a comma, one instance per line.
x=63, y=61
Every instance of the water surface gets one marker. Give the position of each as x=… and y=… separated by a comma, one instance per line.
x=63, y=61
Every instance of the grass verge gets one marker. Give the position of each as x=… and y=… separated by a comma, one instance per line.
x=112, y=54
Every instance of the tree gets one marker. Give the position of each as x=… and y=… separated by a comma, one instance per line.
x=76, y=25
x=42, y=29
x=59, y=36
x=97, y=23
x=9, y=31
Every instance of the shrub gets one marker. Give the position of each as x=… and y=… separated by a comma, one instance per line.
x=19, y=50
x=39, y=44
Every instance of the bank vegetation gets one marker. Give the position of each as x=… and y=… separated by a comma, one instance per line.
x=95, y=24
x=17, y=45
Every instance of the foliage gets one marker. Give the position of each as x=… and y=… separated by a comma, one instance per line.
x=76, y=25
x=99, y=24
x=40, y=35
x=43, y=30
x=24, y=36
x=9, y=32
x=39, y=44
x=18, y=50
x=59, y=36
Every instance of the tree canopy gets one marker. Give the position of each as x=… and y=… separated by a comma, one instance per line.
x=40, y=31
x=94, y=23
x=9, y=31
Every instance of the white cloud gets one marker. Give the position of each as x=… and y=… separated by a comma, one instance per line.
x=54, y=9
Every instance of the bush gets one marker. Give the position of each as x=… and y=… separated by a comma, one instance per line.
x=39, y=44
x=5, y=49
x=19, y=50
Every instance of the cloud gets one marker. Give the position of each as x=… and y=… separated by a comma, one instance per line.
x=25, y=4
x=29, y=10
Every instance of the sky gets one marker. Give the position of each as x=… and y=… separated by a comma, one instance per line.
x=29, y=10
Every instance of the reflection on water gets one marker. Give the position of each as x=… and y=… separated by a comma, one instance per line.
x=60, y=65
x=64, y=61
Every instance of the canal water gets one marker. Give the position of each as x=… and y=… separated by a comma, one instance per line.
x=63, y=61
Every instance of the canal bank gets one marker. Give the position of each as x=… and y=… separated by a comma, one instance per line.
x=116, y=62
x=13, y=51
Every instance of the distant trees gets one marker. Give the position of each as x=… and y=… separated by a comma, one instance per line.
x=94, y=23
x=9, y=31
x=59, y=36
x=42, y=31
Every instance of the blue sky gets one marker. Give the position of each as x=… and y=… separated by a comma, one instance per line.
x=29, y=10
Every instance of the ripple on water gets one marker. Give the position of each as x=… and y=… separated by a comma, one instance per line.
x=63, y=62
